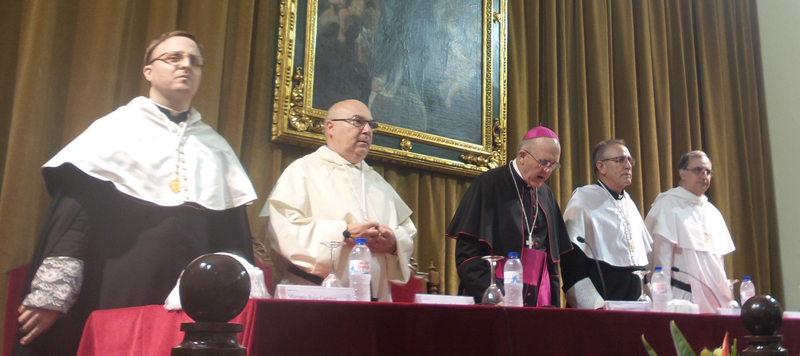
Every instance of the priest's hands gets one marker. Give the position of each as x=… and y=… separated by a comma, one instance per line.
x=383, y=243
x=380, y=238
x=35, y=321
x=361, y=229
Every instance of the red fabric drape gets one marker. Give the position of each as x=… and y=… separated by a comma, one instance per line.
x=289, y=327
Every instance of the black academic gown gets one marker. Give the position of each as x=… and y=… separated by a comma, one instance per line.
x=620, y=282
x=489, y=221
x=133, y=251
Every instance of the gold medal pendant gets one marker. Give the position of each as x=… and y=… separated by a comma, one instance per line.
x=706, y=238
x=175, y=185
x=633, y=247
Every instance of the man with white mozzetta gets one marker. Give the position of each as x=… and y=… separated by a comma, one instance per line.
x=136, y=197
x=607, y=229
x=690, y=233
x=333, y=195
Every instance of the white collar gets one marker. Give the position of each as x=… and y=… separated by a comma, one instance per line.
x=334, y=157
x=516, y=169
x=685, y=194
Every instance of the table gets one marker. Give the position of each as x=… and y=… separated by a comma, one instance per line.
x=285, y=327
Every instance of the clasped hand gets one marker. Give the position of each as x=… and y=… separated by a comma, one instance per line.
x=380, y=238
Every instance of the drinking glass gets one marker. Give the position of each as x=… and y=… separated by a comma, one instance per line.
x=493, y=294
x=641, y=273
x=733, y=304
x=331, y=281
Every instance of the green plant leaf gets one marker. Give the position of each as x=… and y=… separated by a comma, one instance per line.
x=682, y=347
x=733, y=348
x=650, y=351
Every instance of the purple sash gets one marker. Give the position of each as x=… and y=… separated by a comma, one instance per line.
x=534, y=267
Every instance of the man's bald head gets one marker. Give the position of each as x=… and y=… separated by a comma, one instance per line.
x=342, y=133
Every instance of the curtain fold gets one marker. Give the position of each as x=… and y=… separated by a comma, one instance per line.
x=666, y=76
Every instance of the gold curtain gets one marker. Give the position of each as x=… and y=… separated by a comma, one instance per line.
x=667, y=76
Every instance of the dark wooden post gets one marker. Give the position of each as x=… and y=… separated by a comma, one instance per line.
x=214, y=290
x=763, y=316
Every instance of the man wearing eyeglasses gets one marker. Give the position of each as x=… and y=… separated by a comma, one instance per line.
x=511, y=209
x=136, y=197
x=608, y=232
x=333, y=195
x=690, y=233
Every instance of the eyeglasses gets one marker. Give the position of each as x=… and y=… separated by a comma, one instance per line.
x=176, y=58
x=545, y=163
x=359, y=122
x=621, y=160
x=700, y=171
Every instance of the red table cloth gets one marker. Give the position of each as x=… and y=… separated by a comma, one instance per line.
x=284, y=327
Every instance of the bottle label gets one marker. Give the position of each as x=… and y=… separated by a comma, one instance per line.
x=659, y=288
x=512, y=277
x=359, y=267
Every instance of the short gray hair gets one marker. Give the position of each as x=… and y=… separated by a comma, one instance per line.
x=684, y=162
x=524, y=143
x=600, y=150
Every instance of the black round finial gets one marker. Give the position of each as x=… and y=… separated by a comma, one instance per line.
x=762, y=315
x=214, y=288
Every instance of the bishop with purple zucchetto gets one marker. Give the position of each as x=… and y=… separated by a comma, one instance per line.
x=511, y=209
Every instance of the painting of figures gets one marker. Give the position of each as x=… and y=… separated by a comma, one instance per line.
x=416, y=64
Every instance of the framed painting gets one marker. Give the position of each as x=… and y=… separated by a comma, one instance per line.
x=433, y=74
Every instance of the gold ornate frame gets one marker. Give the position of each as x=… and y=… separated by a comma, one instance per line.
x=295, y=121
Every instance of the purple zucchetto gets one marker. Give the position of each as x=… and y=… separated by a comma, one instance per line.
x=540, y=131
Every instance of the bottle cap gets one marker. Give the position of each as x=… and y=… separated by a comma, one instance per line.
x=361, y=241
x=513, y=255
x=658, y=269
x=746, y=279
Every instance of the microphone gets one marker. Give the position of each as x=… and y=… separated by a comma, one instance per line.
x=600, y=272
x=676, y=269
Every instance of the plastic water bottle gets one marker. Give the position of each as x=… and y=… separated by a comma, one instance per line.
x=659, y=290
x=746, y=290
x=512, y=280
x=360, y=278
